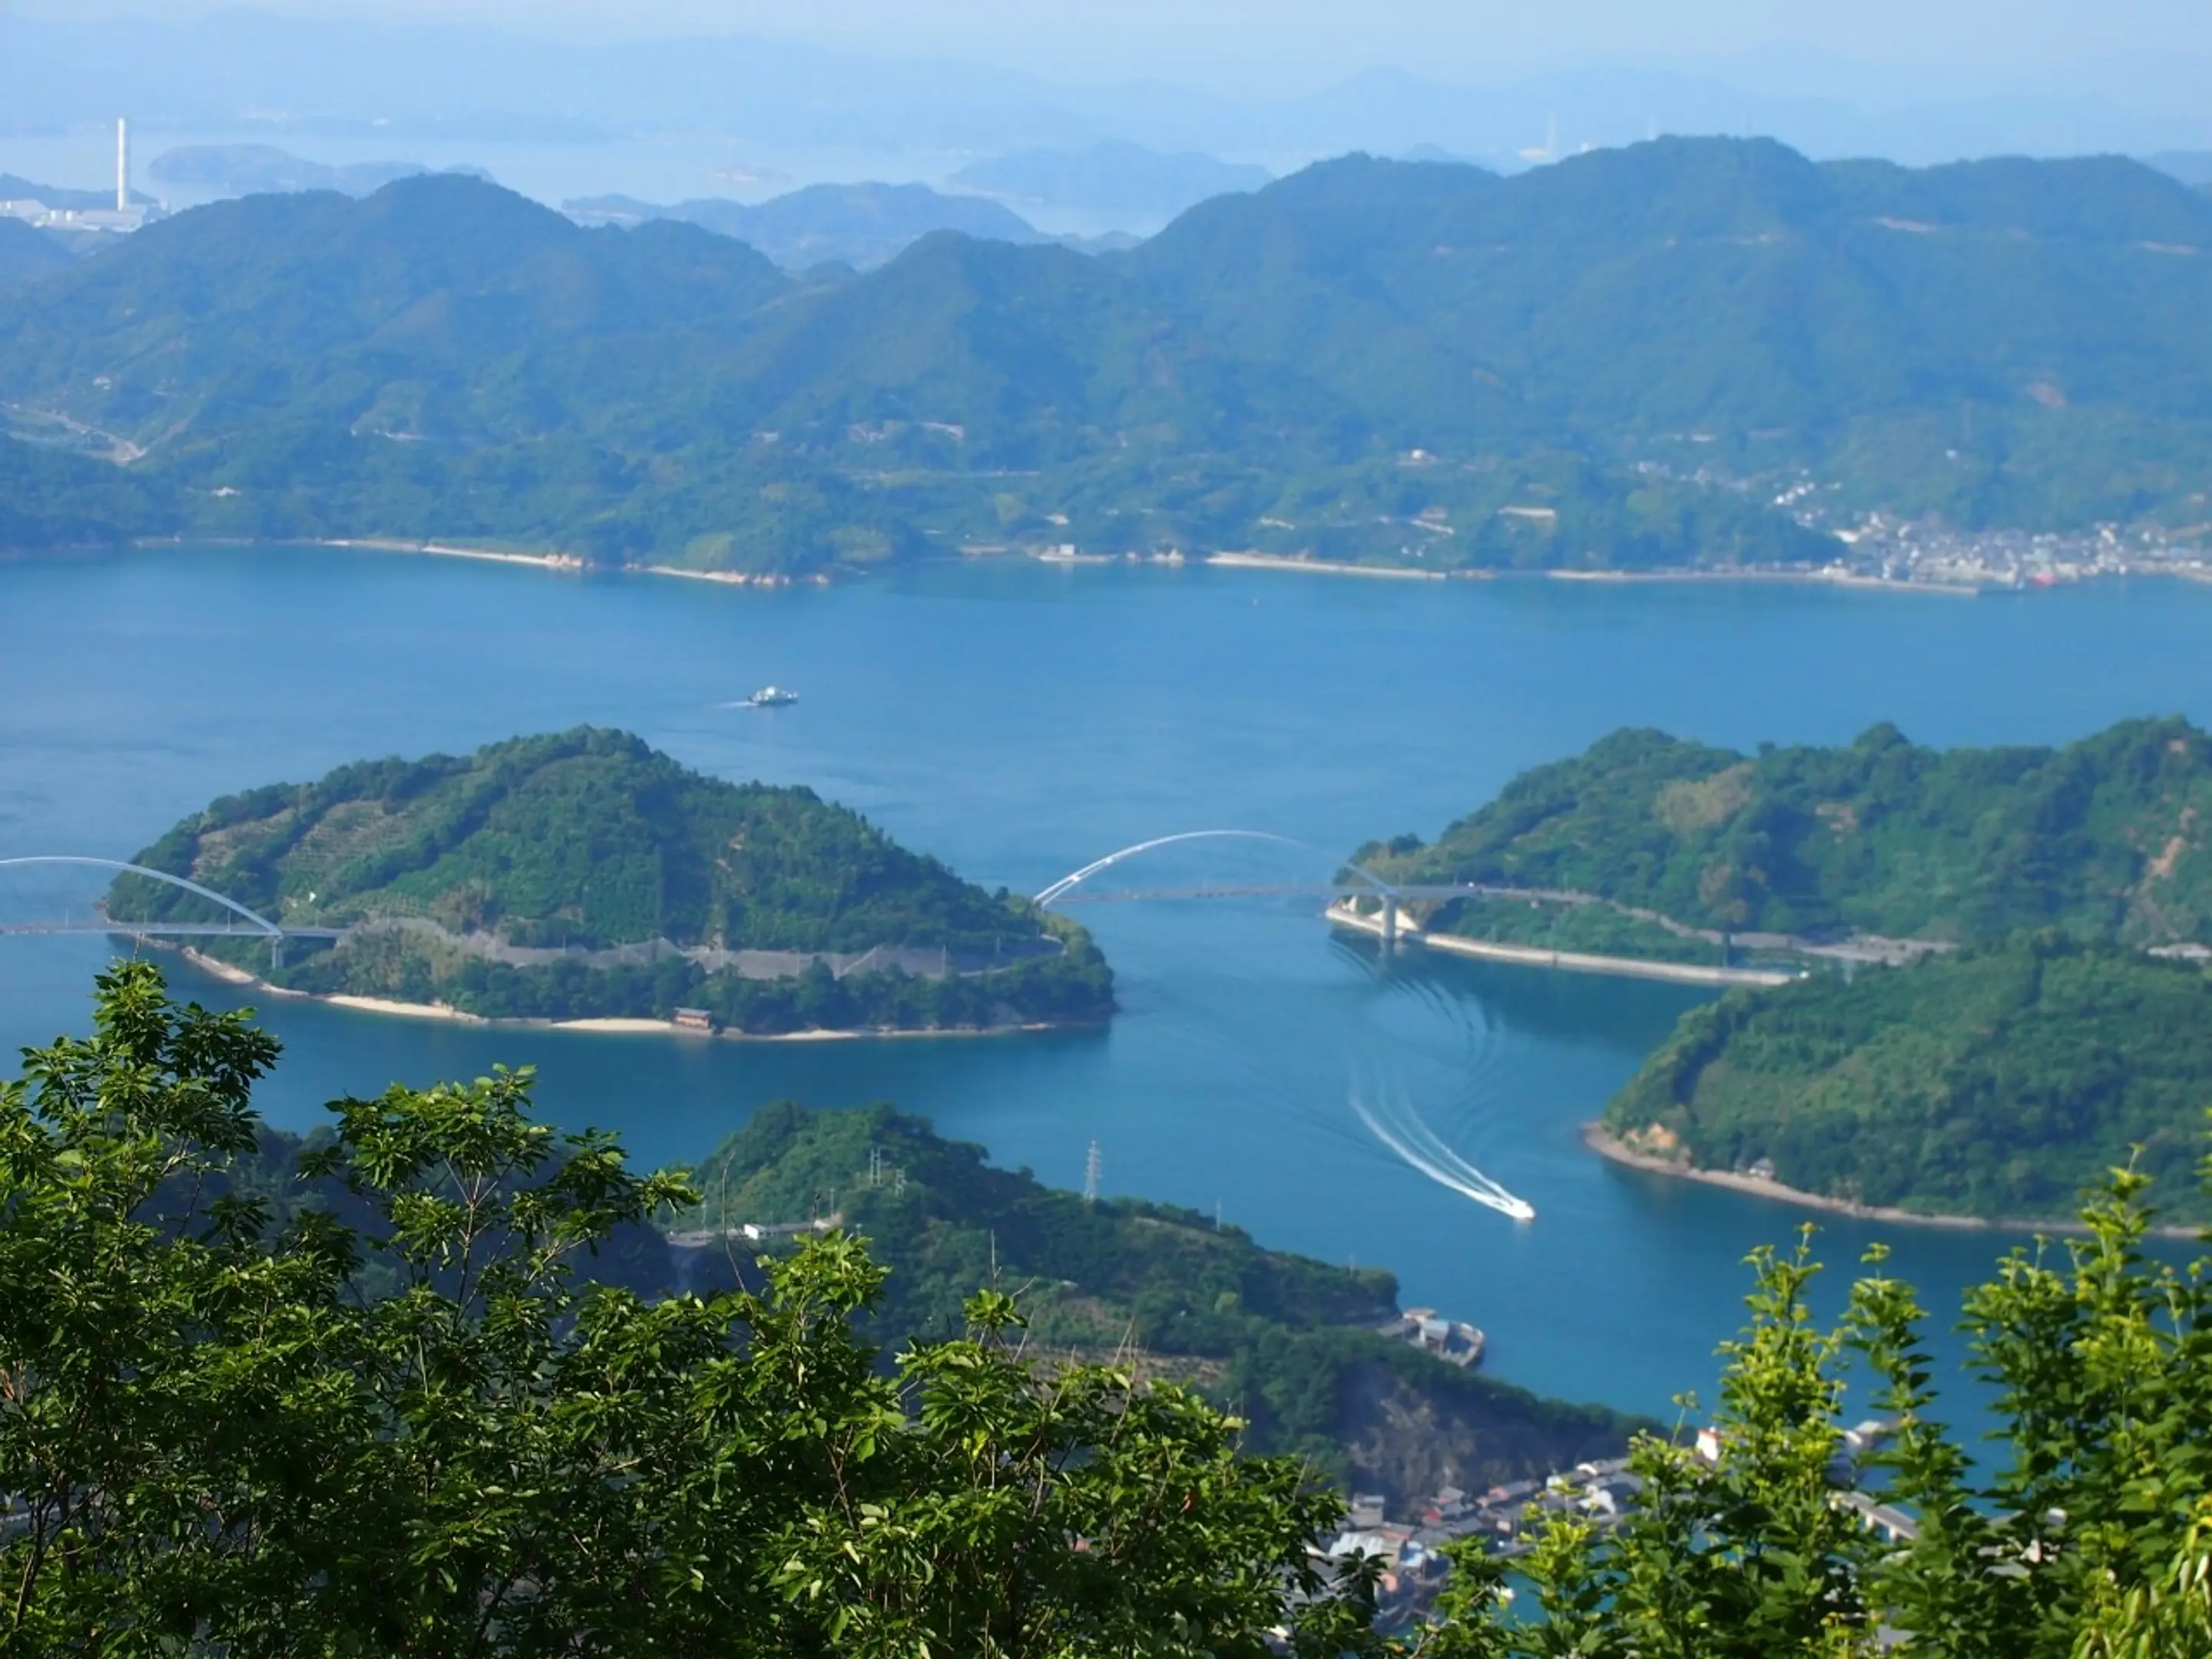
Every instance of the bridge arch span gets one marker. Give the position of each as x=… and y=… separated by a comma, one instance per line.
x=259, y=921
x=1075, y=878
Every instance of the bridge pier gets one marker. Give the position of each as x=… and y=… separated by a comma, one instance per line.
x=277, y=953
x=1390, y=923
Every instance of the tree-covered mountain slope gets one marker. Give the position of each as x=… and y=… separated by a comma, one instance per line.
x=51, y=497
x=2105, y=838
x=1638, y=351
x=1287, y=1342
x=1860, y=319
x=586, y=875
x=27, y=254
x=2000, y=1083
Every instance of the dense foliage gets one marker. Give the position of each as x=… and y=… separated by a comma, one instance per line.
x=212, y=1442
x=408, y=1424
x=2085, y=1533
x=57, y=498
x=27, y=254
x=2104, y=838
x=1289, y=1344
x=1998, y=1082
x=1638, y=351
x=475, y=879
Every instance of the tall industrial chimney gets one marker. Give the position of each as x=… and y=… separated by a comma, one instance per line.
x=122, y=165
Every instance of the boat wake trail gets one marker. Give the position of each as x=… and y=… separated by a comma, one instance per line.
x=1400, y=1127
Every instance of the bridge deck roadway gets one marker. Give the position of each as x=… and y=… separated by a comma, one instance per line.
x=167, y=930
x=1311, y=890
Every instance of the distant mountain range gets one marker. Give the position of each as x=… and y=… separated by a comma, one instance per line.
x=255, y=74
x=858, y=225
x=255, y=169
x=1620, y=361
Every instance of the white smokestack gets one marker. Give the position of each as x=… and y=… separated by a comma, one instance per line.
x=122, y=165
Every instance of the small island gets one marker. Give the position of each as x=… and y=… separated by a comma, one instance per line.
x=1650, y=847
x=1993, y=1085
x=585, y=878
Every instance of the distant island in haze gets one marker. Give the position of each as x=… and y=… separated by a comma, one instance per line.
x=860, y=225
x=255, y=169
x=585, y=878
x=1691, y=356
x=1135, y=186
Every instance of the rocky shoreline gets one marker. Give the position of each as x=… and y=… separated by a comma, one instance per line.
x=615, y=1027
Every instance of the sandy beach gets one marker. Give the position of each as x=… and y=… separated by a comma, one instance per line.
x=1607, y=1145
x=1320, y=566
x=387, y=1006
x=604, y=1027
x=566, y=562
x=1824, y=578
x=726, y=578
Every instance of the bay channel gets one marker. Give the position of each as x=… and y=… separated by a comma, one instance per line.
x=1019, y=722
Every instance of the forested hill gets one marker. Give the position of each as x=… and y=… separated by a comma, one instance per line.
x=1998, y=1084
x=1288, y=1342
x=2105, y=838
x=585, y=875
x=1638, y=350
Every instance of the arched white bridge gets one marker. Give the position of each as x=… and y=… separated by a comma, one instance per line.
x=1400, y=1130
x=1364, y=883
x=1368, y=882
x=255, y=925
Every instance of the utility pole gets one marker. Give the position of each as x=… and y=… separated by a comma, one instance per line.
x=1090, y=1175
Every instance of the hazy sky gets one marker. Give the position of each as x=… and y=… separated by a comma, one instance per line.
x=1316, y=40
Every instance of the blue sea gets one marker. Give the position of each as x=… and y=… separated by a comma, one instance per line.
x=1021, y=720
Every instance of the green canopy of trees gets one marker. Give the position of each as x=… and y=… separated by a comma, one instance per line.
x=455, y=870
x=2105, y=837
x=1996, y=1083
x=1291, y=1345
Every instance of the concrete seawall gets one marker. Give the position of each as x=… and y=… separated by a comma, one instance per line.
x=1569, y=962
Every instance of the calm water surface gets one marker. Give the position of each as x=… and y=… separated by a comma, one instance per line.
x=1021, y=722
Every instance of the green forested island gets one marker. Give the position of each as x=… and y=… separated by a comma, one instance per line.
x=1290, y=1343
x=1660, y=357
x=585, y=876
x=2105, y=839
x=1996, y=1083
x=2031, y=1043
